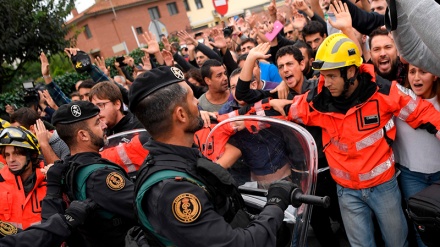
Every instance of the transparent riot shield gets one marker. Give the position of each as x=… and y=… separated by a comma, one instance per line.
x=271, y=149
x=122, y=137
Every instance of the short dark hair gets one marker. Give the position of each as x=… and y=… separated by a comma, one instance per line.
x=206, y=67
x=89, y=83
x=242, y=57
x=236, y=71
x=312, y=28
x=73, y=94
x=377, y=32
x=291, y=50
x=155, y=110
x=33, y=155
x=25, y=116
x=301, y=44
x=107, y=90
x=68, y=132
x=247, y=40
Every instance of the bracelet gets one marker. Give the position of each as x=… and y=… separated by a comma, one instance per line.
x=46, y=76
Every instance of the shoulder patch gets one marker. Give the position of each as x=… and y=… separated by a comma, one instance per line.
x=186, y=208
x=115, y=181
x=7, y=229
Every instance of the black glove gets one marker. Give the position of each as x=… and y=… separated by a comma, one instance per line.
x=279, y=193
x=78, y=211
x=53, y=177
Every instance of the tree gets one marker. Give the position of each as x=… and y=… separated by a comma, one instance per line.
x=29, y=27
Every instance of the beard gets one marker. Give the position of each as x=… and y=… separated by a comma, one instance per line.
x=195, y=124
x=98, y=141
x=392, y=74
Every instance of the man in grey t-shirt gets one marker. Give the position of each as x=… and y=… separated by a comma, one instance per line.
x=215, y=75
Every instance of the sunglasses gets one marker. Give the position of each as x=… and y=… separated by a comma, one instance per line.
x=289, y=32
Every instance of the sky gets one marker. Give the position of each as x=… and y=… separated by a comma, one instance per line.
x=82, y=5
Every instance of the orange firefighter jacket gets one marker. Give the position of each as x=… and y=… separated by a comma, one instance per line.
x=129, y=156
x=16, y=208
x=357, y=144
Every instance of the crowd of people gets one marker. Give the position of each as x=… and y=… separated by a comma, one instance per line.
x=369, y=97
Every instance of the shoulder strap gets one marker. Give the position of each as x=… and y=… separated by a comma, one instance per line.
x=147, y=184
x=81, y=177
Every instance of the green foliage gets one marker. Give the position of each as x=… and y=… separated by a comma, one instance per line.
x=27, y=28
x=67, y=81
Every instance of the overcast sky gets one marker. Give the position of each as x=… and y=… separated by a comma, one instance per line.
x=82, y=5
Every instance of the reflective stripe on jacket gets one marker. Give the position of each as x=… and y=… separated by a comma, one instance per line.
x=129, y=156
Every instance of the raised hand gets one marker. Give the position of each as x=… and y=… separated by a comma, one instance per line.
x=166, y=43
x=219, y=38
x=44, y=64
x=260, y=51
x=71, y=51
x=41, y=132
x=153, y=45
x=100, y=62
x=49, y=99
x=251, y=20
x=272, y=8
x=168, y=58
x=342, y=14
x=300, y=5
x=299, y=21
x=183, y=35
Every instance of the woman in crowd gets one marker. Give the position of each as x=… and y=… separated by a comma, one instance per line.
x=416, y=150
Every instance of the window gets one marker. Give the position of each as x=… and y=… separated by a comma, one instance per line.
x=87, y=32
x=172, y=8
x=154, y=13
x=185, y=2
x=199, y=4
x=139, y=30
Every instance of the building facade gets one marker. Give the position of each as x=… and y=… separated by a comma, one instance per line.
x=114, y=27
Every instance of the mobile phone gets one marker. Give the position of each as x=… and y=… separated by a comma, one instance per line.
x=277, y=27
x=120, y=60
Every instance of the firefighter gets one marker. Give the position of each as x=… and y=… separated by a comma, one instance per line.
x=22, y=185
x=355, y=109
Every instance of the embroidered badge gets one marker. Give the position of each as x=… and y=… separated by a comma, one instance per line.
x=76, y=110
x=115, y=181
x=7, y=229
x=186, y=208
x=177, y=73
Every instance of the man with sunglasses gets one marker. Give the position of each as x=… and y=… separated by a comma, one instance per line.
x=22, y=185
x=290, y=32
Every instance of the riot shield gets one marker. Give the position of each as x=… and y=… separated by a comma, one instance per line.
x=122, y=137
x=271, y=149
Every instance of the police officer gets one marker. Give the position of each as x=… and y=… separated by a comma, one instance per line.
x=182, y=198
x=87, y=175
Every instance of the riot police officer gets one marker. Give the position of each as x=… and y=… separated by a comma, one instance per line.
x=87, y=175
x=182, y=198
